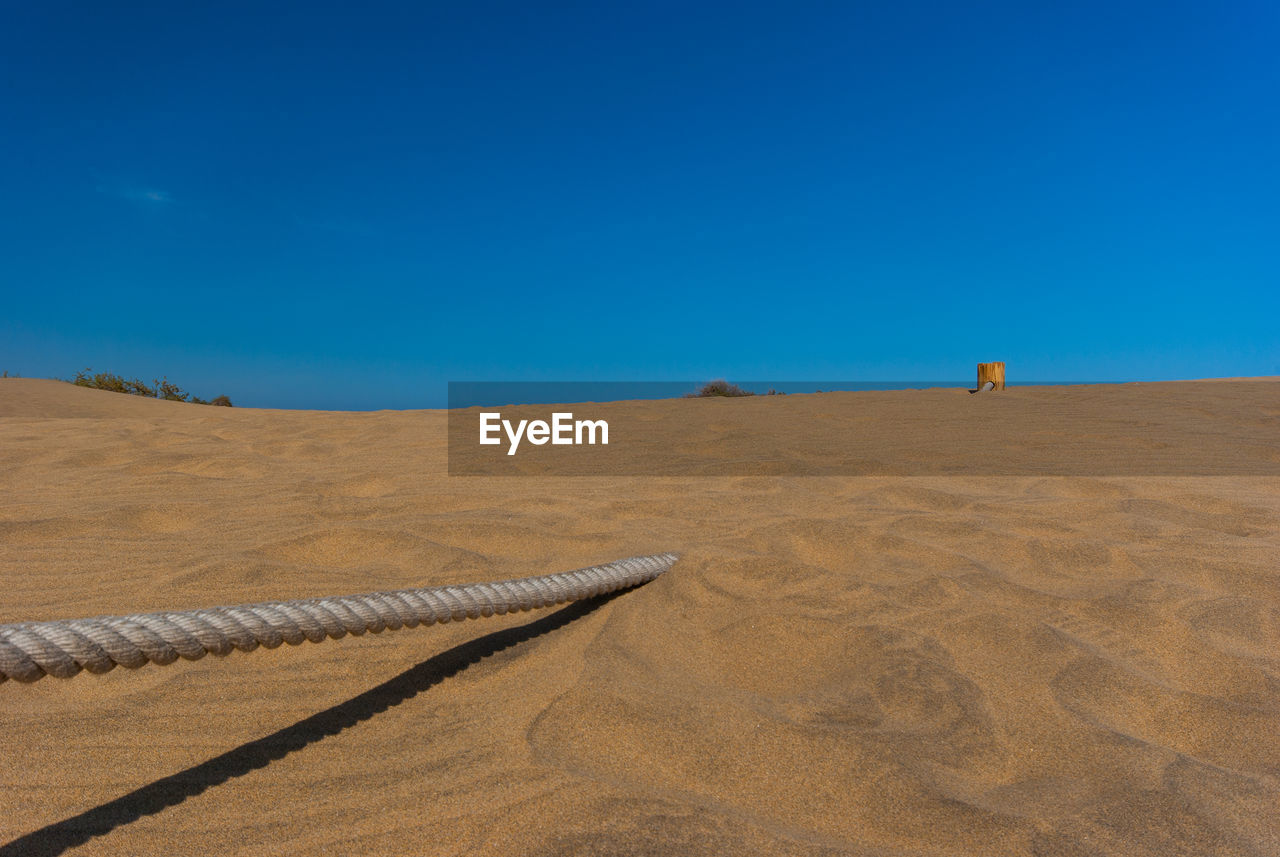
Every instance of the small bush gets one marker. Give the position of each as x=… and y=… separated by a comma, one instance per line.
x=720, y=388
x=112, y=382
x=172, y=392
x=159, y=389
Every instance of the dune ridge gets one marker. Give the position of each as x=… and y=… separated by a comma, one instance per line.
x=888, y=665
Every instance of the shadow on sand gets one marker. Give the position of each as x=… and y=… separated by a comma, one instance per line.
x=174, y=789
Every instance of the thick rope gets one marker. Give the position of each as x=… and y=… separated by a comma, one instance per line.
x=31, y=650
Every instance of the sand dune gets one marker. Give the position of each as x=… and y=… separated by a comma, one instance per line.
x=892, y=665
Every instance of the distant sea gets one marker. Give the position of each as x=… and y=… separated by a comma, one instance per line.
x=469, y=394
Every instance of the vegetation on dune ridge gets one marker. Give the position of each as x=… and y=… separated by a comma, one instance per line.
x=722, y=388
x=157, y=389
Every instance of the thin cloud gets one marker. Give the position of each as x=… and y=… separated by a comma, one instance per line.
x=133, y=193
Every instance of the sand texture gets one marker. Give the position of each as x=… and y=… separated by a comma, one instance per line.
x=855, y=665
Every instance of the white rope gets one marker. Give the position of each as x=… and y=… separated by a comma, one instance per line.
x=31, y=650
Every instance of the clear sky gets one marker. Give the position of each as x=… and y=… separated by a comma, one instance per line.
x=347, y=205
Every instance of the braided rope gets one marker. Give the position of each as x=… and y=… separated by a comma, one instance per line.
x=31, y=650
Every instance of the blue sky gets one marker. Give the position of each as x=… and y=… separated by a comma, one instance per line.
x=347, y=205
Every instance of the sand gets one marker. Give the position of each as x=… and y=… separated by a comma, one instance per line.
x=864, y=665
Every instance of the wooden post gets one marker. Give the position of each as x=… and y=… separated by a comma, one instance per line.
x=993, y=372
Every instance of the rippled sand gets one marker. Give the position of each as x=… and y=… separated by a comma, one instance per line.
x=838, y=665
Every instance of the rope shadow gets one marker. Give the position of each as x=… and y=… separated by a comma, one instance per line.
x=61, y=836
